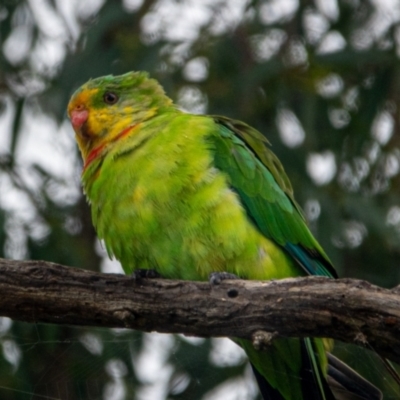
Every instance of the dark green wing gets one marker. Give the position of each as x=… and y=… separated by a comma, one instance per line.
x=258, y=177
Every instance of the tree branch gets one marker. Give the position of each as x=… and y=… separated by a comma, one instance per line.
x=345, y=309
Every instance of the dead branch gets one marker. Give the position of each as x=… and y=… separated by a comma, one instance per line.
x=349, y=310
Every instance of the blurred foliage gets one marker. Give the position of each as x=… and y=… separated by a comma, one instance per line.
x=319, y=79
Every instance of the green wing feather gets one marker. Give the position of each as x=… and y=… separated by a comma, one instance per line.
x=256, y=174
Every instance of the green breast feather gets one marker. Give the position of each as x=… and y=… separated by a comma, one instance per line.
x=159, y=201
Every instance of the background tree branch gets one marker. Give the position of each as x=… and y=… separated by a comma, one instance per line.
x=350, y=310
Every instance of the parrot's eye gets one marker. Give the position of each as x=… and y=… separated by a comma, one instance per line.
x=110, y=98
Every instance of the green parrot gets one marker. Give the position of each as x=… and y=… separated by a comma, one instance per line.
x=193, y=195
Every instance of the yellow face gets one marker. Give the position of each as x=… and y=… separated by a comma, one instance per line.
x=104, y=108
x=97, y=118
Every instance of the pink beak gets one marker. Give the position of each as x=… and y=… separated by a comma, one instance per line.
x=78, y=118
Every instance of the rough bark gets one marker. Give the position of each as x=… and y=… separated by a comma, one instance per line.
x=349, y=310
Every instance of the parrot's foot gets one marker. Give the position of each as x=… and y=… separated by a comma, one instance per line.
x=145, y=274
x=215, y=278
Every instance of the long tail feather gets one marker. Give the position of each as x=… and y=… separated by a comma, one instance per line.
x=314, y=384
x=348, y=384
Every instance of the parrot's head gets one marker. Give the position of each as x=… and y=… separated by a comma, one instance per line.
x=103, y=108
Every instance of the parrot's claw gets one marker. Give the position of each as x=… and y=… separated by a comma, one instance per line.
x=145, y=274
x=215, y=278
